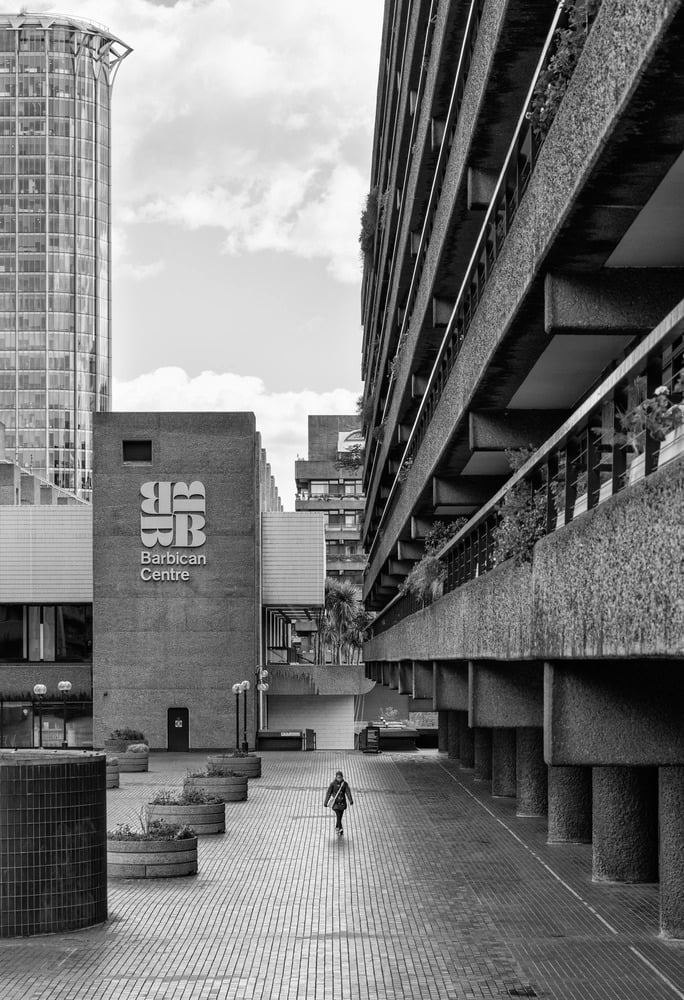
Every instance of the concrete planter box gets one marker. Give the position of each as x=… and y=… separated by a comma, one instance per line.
x=119, y=746
x=204, y=818
x=249, y=766
x=134, y=762
x=151, y=858
x=230, y=789
x=112, y=772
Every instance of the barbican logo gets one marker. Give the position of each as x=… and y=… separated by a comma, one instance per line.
x=172, y=514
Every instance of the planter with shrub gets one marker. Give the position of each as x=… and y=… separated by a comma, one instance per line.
x=135, y=758
x=189, y=807
x=157, y=850
x=238, y=762
x=119, y=740
x=221, y=782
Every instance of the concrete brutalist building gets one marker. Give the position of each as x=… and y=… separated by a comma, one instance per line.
x=522, y=302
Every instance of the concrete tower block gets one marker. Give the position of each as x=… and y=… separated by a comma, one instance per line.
x=453, y=735
x=467, y=743
x=503, y=762
x=625, y=824
x=442, y=732
x=483, y=754
x=671, y=851
x=569, y=805
x=531, y=772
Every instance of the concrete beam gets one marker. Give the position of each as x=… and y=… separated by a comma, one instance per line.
x=613, y=300
x=423, y=680
x=611, y=713
x=393, y=674
x=465, y=491
x=419, y=527
x=405, y=677
x=481, y=187
x=512, y=428
x=398, y=568
x=410, y=551
x=505, y=694
x=451, y=685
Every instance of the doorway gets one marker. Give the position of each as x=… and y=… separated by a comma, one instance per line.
x=178, y=730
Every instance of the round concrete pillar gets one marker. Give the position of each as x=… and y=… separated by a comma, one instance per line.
x=531, y=772
x=671, y=855
x=453, y=735
x=466, y=743
x=569, y=805
x=53, y=841
x=625, y=824
x=442, y=732
x=482, y=754
x=503, y=762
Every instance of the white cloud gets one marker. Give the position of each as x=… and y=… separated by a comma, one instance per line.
x=253, y=117
x=140, y=272
x=281, y=416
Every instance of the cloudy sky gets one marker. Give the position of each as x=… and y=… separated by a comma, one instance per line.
x=241, y=158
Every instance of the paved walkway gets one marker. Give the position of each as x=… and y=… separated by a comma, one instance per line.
x=437, y=891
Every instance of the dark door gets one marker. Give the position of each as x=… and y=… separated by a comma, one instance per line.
x=178, y=738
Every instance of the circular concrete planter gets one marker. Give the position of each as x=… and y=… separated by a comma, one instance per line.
x=249, y=766
x=227, y=787
x=112, y=772
x=151, y=858
x=137, y=761
x=209, y=817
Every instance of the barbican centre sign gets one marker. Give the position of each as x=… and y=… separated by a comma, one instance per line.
x=172, y=522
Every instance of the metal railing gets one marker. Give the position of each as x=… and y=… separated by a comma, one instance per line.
x=582, y=465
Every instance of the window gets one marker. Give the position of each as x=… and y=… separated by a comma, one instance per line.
x=137, y=452
x=319, y=489
x=46, y=633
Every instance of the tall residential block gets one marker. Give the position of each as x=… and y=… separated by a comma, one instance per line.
x=56, y=78
x=523, y=359
x=329, y=480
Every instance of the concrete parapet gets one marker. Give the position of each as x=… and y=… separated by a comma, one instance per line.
x=503, y=762
x=569, y=805
x=482, y=754
x=671, y=825
x=531, y=773
x=625, y=824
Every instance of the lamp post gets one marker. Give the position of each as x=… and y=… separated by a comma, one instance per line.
x=65, y=688
x=236, y=691
x=40, y=690
x=262, y=687
x=244, y=687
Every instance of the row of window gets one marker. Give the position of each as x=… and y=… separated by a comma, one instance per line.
x=59, y=423
x=64, y=127
x=41, y=222
x=36, y=281
x=58, y=205
x=57, y=399
x=50, y=633
x=34, y=39
x=55, y=261
x=85, y=342
x=54, y=302
x=335, y=488
x=86, y=381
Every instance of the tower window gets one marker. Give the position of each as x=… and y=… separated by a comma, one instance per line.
x=137, y=452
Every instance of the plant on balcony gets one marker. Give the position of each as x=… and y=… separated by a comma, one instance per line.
x=553, y=81
x=522, y=516
x=655, y=416
x=350, y=461
x=404, y=469
x=426, y=579
x=369, y=224
x=441, y=532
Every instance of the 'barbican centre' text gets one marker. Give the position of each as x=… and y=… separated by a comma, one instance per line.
x=149, y=559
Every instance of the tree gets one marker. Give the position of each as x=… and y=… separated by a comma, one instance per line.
x=343, y=622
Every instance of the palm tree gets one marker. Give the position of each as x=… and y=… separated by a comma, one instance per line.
x=343, y=622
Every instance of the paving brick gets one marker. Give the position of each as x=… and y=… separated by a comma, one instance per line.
x=436, y=891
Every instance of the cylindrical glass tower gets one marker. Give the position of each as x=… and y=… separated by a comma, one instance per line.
x=56, y=77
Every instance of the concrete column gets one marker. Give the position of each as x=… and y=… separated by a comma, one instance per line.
x=453, y=735
x=569, y=805
x=625, y=824
x=483, y=754
x=503, y=762
x=442, y=732
x=466, y=743
x=531, y=772
x=671, y=854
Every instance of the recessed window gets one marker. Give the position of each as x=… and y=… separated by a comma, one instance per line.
x=137, y=452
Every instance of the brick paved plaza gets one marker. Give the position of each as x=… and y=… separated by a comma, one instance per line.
x=437, y=891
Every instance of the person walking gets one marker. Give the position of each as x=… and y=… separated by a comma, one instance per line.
x=339, y=791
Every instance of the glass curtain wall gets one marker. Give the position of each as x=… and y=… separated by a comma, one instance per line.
x=56, y=76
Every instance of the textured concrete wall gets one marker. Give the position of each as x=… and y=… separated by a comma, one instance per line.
x=506, y=694
x=175, y=643
x=608, y=585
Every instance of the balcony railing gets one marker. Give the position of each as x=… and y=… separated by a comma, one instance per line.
x=510, y=189
x=581, y=466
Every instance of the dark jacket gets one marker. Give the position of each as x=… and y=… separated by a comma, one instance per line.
x=345, y=793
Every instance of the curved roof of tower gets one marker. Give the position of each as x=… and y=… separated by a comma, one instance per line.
x=49, y=20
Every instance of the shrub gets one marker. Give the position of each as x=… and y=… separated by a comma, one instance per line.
x=369, y=224
x=426, y=579
x=138, y=748
x=127, y=734
x=155, y=829
x=186, y=796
